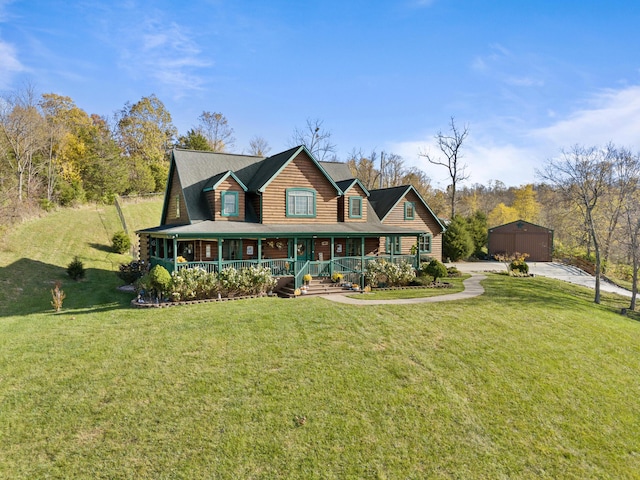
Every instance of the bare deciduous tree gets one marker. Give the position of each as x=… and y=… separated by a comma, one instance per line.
x=316, y=139
x=21, y=129
x=584, y=177
x=259, y=146
x=215, y=128
x=450, y=146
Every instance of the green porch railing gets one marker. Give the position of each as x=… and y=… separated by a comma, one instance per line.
x=352, y=266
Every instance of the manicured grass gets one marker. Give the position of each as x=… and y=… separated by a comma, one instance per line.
x=455, y=286
x=35, y=254
x=530, y=380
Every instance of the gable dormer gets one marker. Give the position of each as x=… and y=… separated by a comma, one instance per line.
x=295, y=188
x=352, y=204
x=226, y=197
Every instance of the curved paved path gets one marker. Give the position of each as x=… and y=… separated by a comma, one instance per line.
x=472, y=288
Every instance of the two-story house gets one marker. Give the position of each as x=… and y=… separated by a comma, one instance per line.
x=288, y=212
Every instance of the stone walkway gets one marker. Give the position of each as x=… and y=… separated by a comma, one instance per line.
x=472, y=288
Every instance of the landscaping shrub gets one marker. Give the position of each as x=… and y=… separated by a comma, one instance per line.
x=120, y=242
x=392, y=274
x=130, y=272
x=434, y=268
x=519, y=266
x=76, y=269
x=160, y=280
x=453, y=272
x=197, y=284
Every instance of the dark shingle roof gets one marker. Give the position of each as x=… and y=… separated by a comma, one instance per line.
x=195, y=169
x=339, y=171
x=384, y=199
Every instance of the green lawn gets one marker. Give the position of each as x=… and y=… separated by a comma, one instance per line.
x=530, y=380
x=394, y=294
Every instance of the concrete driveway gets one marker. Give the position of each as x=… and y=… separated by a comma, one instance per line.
x=555, y=270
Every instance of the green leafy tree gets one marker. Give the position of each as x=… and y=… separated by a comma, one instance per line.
x=456, y=241
x=194, y=140
x=145, y=133
x=526, y=204
x=502, y=214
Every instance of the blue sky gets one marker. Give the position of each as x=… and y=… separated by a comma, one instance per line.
x=527, y=78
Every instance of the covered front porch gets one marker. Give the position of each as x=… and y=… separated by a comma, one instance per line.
x=284, y=257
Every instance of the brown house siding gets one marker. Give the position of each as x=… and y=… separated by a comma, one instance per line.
x=301, y=172
x=423, y=220
x=176, y=207
x=143, y=247
x=229, y=185
x=356, y=191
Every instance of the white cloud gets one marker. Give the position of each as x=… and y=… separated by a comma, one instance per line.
x=611, y=116
x=9, y=63
x=498, y=150
x=485, y=160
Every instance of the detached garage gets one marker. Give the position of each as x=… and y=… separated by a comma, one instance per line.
x=521, y=237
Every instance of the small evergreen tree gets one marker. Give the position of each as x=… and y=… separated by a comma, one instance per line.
x=456, y=241
x=75, y=269
x=478, y=230
x=120, y=242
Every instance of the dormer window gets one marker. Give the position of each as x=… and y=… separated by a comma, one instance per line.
x=355, y=207
x=409, y=211
x=229, y=202
x=301, y=202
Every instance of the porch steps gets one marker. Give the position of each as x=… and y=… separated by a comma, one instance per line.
x=317, y=286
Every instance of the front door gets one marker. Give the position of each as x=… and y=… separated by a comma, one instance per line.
x=304, y=249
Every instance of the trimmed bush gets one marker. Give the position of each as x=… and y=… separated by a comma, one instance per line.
x=120, y=242
x=160, y=279
x=76, y=269
x=435, y=269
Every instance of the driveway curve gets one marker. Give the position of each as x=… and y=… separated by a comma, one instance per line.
x=558, y=271
x=472, y=288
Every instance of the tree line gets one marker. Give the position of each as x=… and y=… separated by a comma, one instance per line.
x=54, y=153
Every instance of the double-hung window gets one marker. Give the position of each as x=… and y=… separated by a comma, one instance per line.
x=229, y=204
x=301, y=202
x=424, y=243
x=409, y=211
x=355, y=207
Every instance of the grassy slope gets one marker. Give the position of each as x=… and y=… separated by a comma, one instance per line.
x=529, y=381
x=35, y=255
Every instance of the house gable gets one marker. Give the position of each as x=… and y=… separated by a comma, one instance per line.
x=404, y=207
x=226, y=197
x=353, y=203
x=298, y=176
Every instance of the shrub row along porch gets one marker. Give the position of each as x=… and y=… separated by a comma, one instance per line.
x=285, y=257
